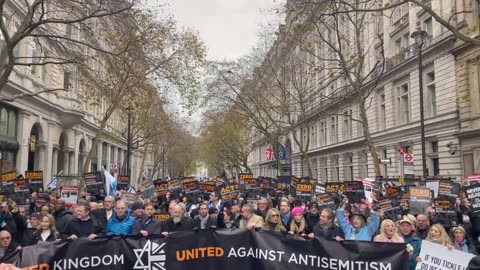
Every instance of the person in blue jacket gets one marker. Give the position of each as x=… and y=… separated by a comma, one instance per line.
x=121, y=222
x=358, y=229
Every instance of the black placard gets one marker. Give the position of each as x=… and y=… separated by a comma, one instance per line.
x=420, y=200
x=161, y=187
x=228, y=192
x=473, y=194
x=122, y=182
x=355, y=191
x=94, y=183
x=34, y=180
x=7, y=182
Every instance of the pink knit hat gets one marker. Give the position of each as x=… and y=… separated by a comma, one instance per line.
x=297, y=211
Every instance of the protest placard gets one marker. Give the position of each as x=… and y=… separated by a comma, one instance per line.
x=420, y=200
x=438, y=257
x=7, y=182
x=94, y=183
x=122, y=182
x=354, y=191
x=34, y=180
x=228, y=192
x=69, y=194
x=161, y=187
x=473, y=194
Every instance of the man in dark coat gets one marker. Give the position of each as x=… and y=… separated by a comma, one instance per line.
x=9, y=250
x=326, y=228
x=203, y=221
x=62, y=216
x=83, y=225
x=147, y=224
x=105, y=213
x=178, y=222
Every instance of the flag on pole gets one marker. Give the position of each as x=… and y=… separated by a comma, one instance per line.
x=53, y=182
x=110, y=183
x=131, y=190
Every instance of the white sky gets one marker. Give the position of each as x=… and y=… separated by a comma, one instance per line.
x=228, y=27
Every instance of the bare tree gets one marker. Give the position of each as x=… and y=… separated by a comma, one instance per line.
x=54, y=31
x=343, y=46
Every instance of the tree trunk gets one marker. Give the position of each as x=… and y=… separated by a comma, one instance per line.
x=85, y=169
x=368, y=137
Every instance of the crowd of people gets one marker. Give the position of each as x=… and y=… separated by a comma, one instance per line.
x=92, y=218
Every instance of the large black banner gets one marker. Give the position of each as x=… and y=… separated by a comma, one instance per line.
x=212, y=250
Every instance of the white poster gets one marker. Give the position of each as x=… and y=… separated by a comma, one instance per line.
x=433, y=185
x=438, y=257
x=70, y=195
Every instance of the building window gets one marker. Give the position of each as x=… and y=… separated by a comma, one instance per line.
x=335, y=169
x=384, y=167
x=68, y=31
x=8, y=122
x=66, y=80
x=347, y=125
x=348, y=168
x=333, y=129
x=12, y=124
x=427, y=26
x=3, y=121
x=323, y=133
x=403, y=104
x=431, y=95
x=313, y=136
x=323, y=170
x=434, y=162
x=313, y=166
x=363, y=162
x=8, y=161
x=382, y=116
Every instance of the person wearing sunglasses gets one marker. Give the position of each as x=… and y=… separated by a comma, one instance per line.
x=273, y=223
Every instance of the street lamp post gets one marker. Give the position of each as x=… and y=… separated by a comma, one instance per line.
x=129, y=146
x=420, y=37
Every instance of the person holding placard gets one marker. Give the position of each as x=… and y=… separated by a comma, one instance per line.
x=358, y=228
x=438, y=235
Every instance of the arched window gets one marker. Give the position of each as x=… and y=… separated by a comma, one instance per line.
x=12, y=124
x=3, y=121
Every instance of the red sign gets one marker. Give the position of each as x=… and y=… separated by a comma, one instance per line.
x=269, y=152
x=475, y=177
x=408, y=158
x=401, y=151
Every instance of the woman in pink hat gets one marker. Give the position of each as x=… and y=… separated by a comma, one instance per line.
x=298, y=225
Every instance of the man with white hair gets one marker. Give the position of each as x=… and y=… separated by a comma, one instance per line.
x=177, y=222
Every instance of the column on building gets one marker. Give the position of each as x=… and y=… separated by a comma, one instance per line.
x=24, y=128
x=54, y=159
x=48, y=171
x=109, y=162
x=40, y=163
x=99, y=155
x=66, y=161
